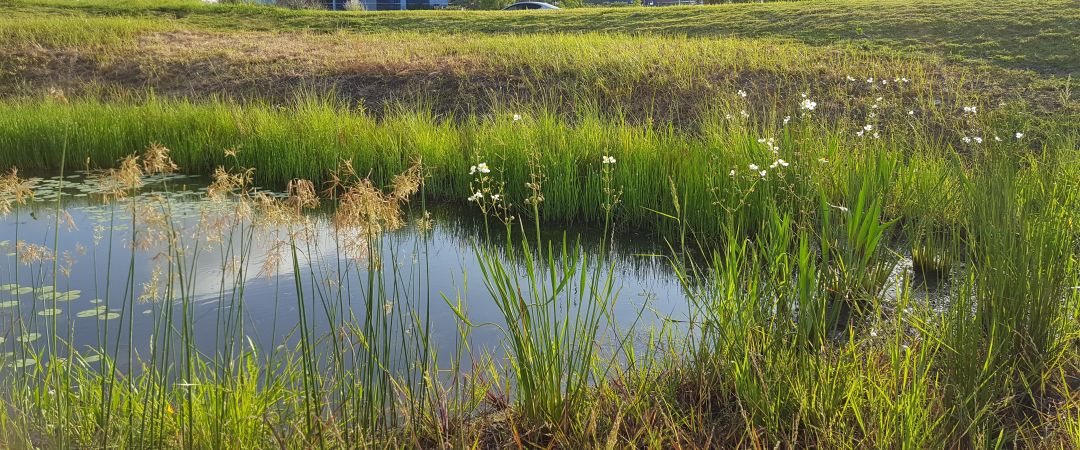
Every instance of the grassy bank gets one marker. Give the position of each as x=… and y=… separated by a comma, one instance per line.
x=126, y=50
x=1032, y=36
x=709, y=167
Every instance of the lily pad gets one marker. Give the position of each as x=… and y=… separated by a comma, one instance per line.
x=92, y=312
x=28, y=337
x=9, y=304
x=109, y=316
x=20, y=363
x=22, y=290
x=91, y=359
x=48, y=312
x=61, y=296
x=8, y=287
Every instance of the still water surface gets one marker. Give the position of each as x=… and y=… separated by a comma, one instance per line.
x=100, y=277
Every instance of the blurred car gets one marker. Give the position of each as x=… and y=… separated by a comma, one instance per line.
x=529, y=5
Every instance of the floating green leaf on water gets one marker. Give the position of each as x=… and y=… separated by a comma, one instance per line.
x=22, y=290
x=47, y=312
x=9, y=304
x=91, y=359
x=109, y=316
x=8, y=287
x=21, y=363
x=61, y=296
x=28, y=337
x=95, y=301
x=92, y=312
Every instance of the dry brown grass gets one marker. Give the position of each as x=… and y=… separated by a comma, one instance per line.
x=465, y=74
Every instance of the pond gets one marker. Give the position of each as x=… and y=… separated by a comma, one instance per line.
x=171, y=264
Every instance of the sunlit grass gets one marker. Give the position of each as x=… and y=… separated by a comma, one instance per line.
x=807, y=198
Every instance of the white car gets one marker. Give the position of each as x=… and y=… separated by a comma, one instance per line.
x=529, y=5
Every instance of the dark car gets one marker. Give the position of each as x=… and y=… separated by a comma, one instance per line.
x=529, y=5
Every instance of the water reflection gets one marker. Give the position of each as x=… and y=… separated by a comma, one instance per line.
x=120, y=286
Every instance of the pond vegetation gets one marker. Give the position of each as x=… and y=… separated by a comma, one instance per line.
x=824, y=247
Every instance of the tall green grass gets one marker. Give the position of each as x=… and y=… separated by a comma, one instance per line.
x=311, y=139
x=798, y=329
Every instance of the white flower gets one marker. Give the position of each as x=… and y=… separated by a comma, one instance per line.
x=783, y=163
x=743, y=113
x=884, y=81
x=859, y=133
x=850, y=78
x=787, y=119
x=878, y=99
x=727, y=116
x=966, y=140
x=978, y=140
x=517, y=117
x=753, y=167
x=903, y=79
x=732, y=173
x=868, y=127
x=496, y=197
x=742, y=93
x=479, y=168
x=970, y=109
x=823, y=160
x=608, y=159
x=761, y=140
x=997, y=139
x=476, y=196
x=809, y=104
x=773, y=165
x=911, y=112
x=762, y=173
x=1019, y=135
x=876, y=135
x=870, y=80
